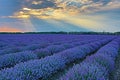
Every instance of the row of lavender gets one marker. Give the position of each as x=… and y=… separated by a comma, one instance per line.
x=11, y=40
x=10, y=59
x=40, y=68
x=18, y=43
x=97, y=66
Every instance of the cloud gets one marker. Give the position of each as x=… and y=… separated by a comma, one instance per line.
x=59, y=8
x=38, y=4
x=75, y=12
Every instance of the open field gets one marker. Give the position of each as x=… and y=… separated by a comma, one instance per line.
x=59, y=57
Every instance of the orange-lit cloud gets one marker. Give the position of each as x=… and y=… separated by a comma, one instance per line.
x=9, y=29
x=63, y=8
x=75, y=12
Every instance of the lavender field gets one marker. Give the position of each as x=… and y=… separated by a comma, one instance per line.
x=59, y=57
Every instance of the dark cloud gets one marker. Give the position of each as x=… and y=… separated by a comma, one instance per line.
x=102, y=1
x=74, y=4
x=43, y=4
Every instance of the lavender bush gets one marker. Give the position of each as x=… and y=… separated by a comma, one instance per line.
x=35, y=69
x=9, y=60
x=11, y=50
x=97, y=66
x=52, y=49
x=86, y=71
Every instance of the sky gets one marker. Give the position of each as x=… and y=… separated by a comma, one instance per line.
x=59, y=15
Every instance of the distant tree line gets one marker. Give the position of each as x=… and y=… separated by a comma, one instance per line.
x=87, y=33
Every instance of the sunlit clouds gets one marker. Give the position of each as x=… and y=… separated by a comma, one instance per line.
x=88, y=14
x=37, y=2
x=56, y=8
x=40, y=9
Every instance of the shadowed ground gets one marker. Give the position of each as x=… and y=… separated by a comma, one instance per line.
x=116, y=73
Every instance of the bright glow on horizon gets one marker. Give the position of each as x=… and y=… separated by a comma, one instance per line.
x=8, y=29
